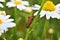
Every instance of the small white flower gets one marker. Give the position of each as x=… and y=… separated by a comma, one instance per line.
x=21, y=5
x=1, y=5
x=50, y=10
x=2, y=0
x=5, y=23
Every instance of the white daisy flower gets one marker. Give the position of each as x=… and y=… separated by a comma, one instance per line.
x=2, y=0
x=21, y=5
x=5, y=23
x=50, y=10
x=1, y=5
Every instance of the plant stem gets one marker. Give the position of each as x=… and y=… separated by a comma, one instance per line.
x=34, y=21
x=58, y=35
x=27, y=34
x=51, y=37
x=44, y=30
x=4, y=5
x=15, y=15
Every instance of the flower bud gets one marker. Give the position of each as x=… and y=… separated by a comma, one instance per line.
x=28, y=9
x=50, y=31
x=2, y=13
x=59, y=38
x=20, y=39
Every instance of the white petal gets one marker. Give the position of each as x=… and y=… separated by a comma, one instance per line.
x=10, y=25
x=25, y=3
x=3, y=27
x=36, y=7
x=48, y=15
x=2, y=0
x=2, y=17
x=7, y=16
x=0, y=34
x=58, y=6
x=10, y=4
x=57, y=16
x=6, y=29
x=35, y=13
x=58, y=11
x=33, y=8
x=42, y=13
x=9, y=20
x=52, y=14
x=1, y=5
x=1, y=31
x=21, y=7
x=12, y=0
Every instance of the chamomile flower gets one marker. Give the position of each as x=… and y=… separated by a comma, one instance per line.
x=21, y=5
x=5, y=23
x=50, y=10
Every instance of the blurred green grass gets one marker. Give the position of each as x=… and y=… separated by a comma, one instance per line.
x=23, y=18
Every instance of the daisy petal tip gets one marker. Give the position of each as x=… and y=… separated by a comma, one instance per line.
x=47, y=18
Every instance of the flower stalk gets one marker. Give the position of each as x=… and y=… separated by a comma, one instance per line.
x=4, y=3
x=15, y=15
x=34, y=21
x=44, y=30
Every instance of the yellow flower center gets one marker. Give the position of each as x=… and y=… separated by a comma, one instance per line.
x=1, y=21
x=17, y=2
x=49, y=6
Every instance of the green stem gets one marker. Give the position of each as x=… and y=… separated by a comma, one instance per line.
x=15, y=15
x=44, y=30
x=15, y=18
x=4, y=3
x=34, y=21
x=51, y=37
x=27, y=34
x=58, y=35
